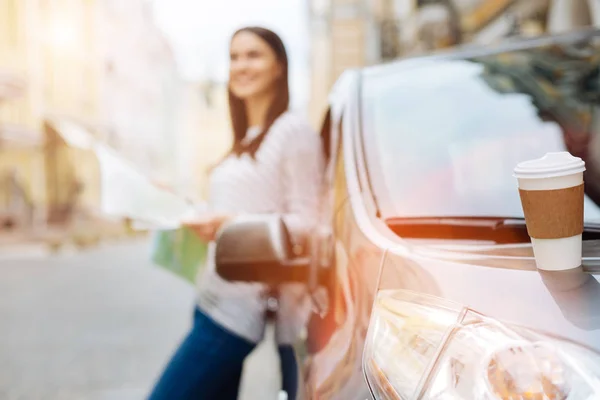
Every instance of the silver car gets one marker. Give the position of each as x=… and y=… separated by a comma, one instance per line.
x=422, y=277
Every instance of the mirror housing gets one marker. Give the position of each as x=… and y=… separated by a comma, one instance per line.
x=258, y=248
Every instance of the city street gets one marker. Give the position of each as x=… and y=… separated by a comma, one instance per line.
x=97, y=325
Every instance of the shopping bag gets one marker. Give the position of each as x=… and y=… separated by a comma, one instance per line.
x=179, y=251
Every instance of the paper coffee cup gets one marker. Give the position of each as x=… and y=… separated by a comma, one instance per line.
x=551, y=190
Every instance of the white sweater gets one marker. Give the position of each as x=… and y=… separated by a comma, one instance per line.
x=284, y=178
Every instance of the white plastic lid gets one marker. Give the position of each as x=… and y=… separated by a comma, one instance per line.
x=550, y=166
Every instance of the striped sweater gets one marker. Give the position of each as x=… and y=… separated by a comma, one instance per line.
x=284, y=178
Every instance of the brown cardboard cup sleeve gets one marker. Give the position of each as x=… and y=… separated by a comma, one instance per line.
x=553, y=214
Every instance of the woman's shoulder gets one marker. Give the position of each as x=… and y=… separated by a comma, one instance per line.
x=292, y=125
x=292, y=121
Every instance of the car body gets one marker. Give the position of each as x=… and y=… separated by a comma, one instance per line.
x=397, y=233
x=423, y=281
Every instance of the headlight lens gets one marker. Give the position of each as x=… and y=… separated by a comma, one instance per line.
x=528, y=371
x=424, y=347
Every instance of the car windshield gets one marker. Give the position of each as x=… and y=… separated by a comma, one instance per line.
x=443, y=136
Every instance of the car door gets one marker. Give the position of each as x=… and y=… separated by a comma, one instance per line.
x=336, y=334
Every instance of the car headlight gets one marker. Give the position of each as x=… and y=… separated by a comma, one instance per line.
x=423, y=347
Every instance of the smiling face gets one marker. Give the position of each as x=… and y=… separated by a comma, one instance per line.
x=254, y=68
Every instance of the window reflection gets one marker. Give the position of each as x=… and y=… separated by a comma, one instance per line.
x=449, y=133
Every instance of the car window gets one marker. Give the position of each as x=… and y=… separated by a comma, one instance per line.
x=448, y=134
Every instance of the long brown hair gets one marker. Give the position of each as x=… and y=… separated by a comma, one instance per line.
x=280, y=104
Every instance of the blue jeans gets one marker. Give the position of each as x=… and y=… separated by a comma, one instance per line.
x=289, y=371
x=208, y=365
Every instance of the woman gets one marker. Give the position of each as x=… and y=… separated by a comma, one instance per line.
x=274, y=166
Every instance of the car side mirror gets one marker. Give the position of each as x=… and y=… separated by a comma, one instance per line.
x=258, y=248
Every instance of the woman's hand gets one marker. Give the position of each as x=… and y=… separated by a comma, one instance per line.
x=207, y=227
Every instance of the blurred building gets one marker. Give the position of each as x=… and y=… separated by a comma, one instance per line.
x=348, y=34
x=72, y=72
x=355, y=33
x=67, y=89
x=141, y=89
x=207, y=134
x=564, y=14
x=338, y=39
x=17, y=146
x=50, y=46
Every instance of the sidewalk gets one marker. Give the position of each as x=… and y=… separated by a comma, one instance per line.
x=17, y=245
x=80, y=234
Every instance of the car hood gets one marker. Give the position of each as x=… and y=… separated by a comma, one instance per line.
x=510, y=288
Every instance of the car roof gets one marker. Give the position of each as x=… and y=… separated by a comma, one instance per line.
x=471, y=50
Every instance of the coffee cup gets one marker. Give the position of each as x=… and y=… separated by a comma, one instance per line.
x=551, y=191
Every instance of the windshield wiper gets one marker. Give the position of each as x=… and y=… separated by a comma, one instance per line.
x=501, y=230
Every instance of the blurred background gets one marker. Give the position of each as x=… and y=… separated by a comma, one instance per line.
x=148, y=79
